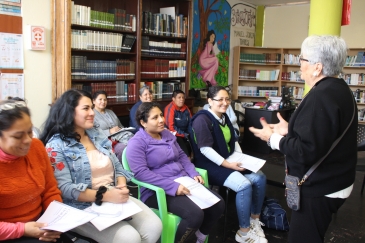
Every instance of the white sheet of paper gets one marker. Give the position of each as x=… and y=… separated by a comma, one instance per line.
x=200, y=195
x=111, y=213
x=249, y=162
x=61, y=217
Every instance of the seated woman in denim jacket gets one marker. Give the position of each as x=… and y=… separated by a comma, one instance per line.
x=84, y=164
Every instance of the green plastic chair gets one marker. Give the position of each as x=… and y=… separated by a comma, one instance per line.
x=170, y=221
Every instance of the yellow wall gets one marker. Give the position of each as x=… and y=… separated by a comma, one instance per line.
x=287, y=26
x=37, y=64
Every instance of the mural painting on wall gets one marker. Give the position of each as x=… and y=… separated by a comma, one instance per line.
x=217, y=27
x=210, y=45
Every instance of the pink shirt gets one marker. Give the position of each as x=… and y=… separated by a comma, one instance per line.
x=11, y=230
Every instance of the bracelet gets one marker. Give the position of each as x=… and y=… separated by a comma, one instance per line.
x=99, y=195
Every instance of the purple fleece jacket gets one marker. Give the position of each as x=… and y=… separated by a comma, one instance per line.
x=158, y=162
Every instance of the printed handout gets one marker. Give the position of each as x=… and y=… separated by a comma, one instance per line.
x=111, y=213
x=249, y=162
x=61, y=217
x=200, y=195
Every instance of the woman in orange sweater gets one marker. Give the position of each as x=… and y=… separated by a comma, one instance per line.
x=27, y=183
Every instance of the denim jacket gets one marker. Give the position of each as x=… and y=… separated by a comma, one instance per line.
x=72, y=168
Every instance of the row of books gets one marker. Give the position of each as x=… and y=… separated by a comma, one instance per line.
x=117, y=91
x=296, y=92
x=257, y=74
x=162, y=68
x=354, y=78
x=10, y=8
x=115, y=18
x=163, y=90
x=164, y=24
x=291, y=76
x=163, y=48
x=101, y=41
x=81, y=68
x=357, y=60
x=264, y=58
x=257, y=91
x=291, y=59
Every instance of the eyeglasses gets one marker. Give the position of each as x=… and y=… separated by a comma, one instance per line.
x=228, y=100
x=301, y=59
x=9, y=106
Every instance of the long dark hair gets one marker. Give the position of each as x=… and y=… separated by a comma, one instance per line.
x=62, y=115
x=207, y=37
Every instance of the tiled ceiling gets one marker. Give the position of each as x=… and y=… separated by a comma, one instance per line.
x=274, y=2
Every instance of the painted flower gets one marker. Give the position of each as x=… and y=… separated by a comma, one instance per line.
x=53, y=160
x=60, y=166
x=196, y=35
x=223, y=70
x=225, y=36
x=53, y=154
x=227, y=57
x=49, y=150
x=222, y=52
x=219, y=42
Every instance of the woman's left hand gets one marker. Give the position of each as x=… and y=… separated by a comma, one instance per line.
x=199, y=179
x=50, y=235
x=264, y=133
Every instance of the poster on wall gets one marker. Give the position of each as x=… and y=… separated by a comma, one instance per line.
x=218, y=26
x=12, y=84
x=11, y=51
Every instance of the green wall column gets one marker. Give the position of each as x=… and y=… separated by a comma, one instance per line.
x=324, y=19
x=259, y=31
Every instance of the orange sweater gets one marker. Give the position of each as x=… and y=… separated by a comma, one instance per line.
x=27, y=185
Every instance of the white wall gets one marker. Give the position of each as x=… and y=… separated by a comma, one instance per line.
x=38, y=64
x=287, y=26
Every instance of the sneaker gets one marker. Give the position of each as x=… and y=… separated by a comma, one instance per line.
x=256, y=226
x=250, y=237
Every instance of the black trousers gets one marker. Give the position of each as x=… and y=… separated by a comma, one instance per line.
x=310, y=223
x=184, y=145
x=192, y=217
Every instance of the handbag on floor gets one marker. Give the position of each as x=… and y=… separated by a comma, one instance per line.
x=273, y=215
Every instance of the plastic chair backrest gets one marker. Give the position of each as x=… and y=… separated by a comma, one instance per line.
x=169, y=221
x=361, y=137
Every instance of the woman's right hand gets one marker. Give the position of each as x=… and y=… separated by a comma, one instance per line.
x=116, y=195
x=281, y=127
x=182, y=191
x=114, y=129
x=33, y=230
x=233, y=165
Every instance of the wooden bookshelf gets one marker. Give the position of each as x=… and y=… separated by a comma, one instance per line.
x=11, y=24
x=62, y=52
x=286, y=66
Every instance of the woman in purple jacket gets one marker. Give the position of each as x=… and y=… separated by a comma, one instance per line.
x=156, y=158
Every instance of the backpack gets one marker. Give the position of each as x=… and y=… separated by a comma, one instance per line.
x=273, y=215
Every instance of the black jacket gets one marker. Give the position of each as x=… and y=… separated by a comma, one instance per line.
x=322, y=117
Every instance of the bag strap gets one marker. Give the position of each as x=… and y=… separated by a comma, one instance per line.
x=310, y=171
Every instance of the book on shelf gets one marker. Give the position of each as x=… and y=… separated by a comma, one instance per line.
x=165, y=23
x=128, y=42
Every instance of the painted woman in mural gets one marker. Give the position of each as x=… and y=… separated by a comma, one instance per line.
x=208, y=60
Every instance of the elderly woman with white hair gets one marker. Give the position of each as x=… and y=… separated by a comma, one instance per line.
x=145, y=95
x=325, y=114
